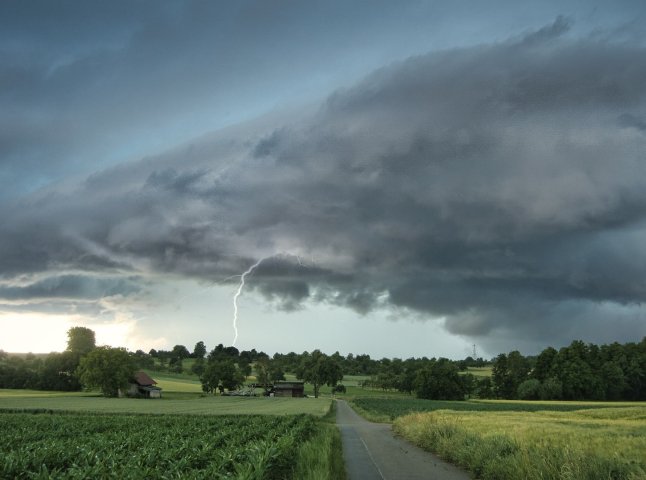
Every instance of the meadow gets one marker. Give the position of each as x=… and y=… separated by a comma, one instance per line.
x=170, y=403
x=388, y=408
x=593, y=443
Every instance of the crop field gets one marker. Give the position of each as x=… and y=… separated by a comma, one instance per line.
x=145, y=446
x=383, y=409
x=16, y=400
x=591, y=443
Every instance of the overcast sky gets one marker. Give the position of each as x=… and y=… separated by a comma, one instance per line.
x=411, y=178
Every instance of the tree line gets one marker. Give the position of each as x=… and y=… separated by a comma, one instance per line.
x=579, y=371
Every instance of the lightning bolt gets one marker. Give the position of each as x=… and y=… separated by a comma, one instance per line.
x=242, y=284
x=237, y=294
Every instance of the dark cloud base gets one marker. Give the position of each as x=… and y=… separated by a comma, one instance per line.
x=500, y=187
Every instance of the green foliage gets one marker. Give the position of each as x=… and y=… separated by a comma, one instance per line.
x=320, y=369
x=199, y=351
x=220, y=373
x=577, y=372
x=107, y=368
x=127, y=446
x=80, y=340
x=439, y=381
x=198, y=366
x=180, y=351
x=529, y=390
x=509, y=371
x=551, y=389
x=321, y=457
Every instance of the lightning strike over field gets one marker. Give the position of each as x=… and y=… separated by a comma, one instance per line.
x=237, y=294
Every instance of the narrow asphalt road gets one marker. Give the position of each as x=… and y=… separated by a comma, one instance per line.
x=371, y=451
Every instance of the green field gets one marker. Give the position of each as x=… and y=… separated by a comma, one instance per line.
x=169, y=404
x=174, y=382
x=590, y=443
x=140, y=446
x=479, y=371
x=386, y=409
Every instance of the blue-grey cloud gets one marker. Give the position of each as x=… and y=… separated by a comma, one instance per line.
x=499, y=186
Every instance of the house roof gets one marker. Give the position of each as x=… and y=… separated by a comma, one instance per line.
x=289, y=385
x=142, y=379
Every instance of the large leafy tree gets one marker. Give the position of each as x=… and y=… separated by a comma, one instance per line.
x=199, y=351
x=220, y=373
x=57, y=372
x=80, y=340
x=440, y=380
x=320, y=369
x=107, y=368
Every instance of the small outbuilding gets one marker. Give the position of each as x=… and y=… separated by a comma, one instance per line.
x=143, y=386
x=289, y=389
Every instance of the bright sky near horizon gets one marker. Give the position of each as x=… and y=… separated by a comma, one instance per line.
x=419, y=176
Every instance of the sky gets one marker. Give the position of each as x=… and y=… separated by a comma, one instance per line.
x=415, y=178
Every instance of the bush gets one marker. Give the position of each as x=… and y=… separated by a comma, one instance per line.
x=529, y=390
x=551, y=389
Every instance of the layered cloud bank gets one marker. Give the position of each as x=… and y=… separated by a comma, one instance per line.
x=499, y=187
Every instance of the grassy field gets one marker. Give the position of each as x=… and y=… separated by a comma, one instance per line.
x=169, y=404
x=387, y=409
x=174, y=382
x=591, y=443
x=479, y=371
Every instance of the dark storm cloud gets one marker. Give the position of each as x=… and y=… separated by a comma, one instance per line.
x=74, y=287
x=499, y=186
x=108, y=82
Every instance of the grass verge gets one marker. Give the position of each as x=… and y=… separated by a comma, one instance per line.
x=587, y=444
x=321, y=457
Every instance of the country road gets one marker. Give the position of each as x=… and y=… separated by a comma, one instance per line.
x=371, y=451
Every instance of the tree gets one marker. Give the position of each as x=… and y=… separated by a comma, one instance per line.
x=57, y=372
x=80, y=340
x=199, y=351
x=439, y=380
x=108, y=368
x=319, y=369
x=484, y=388
x=180, y=351
x=508, y=372
x=544, y=361
x=221, y=373
x=198, y=366
x=529, y=389
x=551, y=389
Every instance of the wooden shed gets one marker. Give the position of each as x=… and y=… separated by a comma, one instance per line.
x=142, y=385
x=289, y=389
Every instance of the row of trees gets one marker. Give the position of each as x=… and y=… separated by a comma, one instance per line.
x=56, y=371
x=577, y=372
x=82, y=364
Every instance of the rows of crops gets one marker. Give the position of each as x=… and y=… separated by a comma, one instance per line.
x=150, y=446
x=395, y=407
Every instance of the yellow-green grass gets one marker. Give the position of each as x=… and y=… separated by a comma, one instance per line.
x=553, y=404
x=13, y=393
x=193, y=404
x=354, y=380
x=603, y=443
x=176, y=383
x=479, y=371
